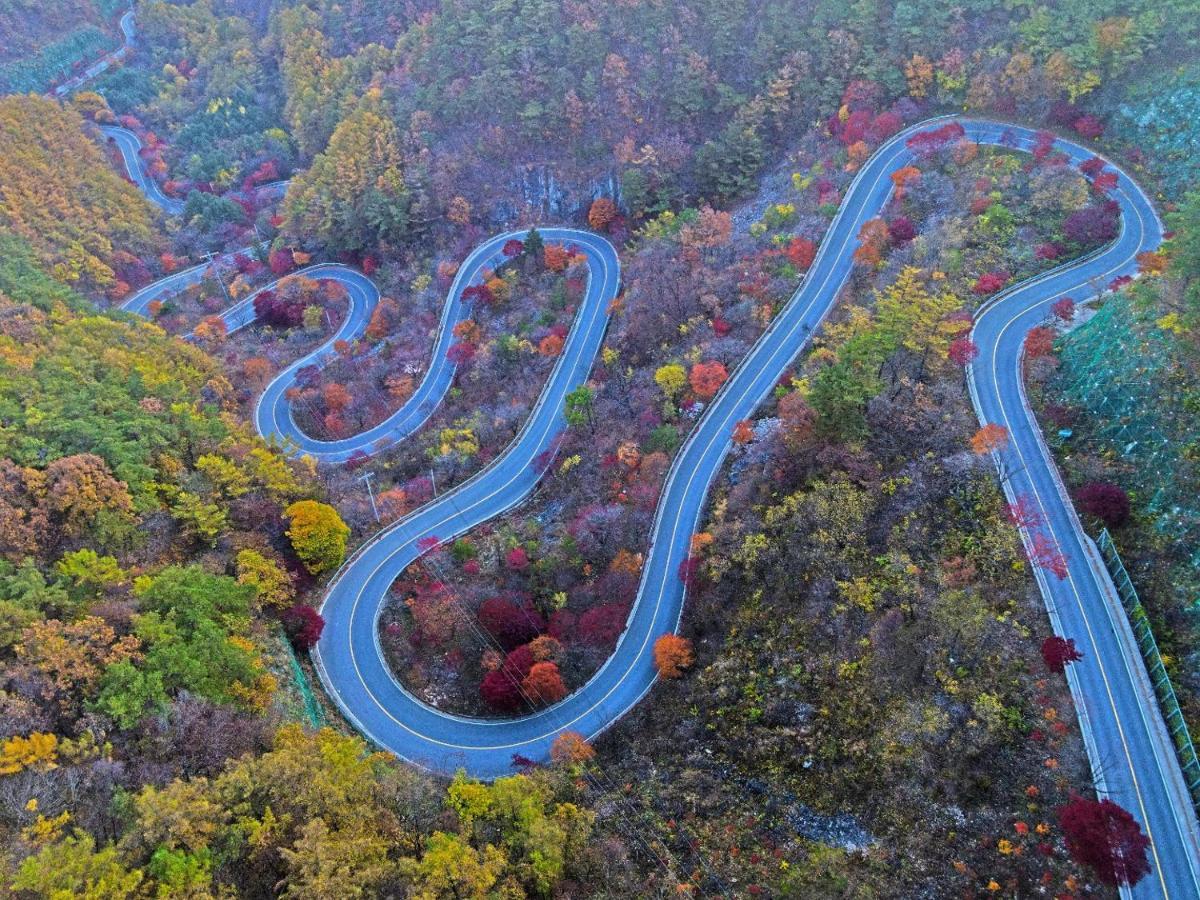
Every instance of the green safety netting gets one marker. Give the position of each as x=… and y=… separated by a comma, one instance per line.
x=1121, y=368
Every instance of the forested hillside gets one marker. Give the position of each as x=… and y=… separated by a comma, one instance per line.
x=88, y=227
x=144, y=689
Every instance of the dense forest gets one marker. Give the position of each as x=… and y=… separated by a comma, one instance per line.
x=864, y=699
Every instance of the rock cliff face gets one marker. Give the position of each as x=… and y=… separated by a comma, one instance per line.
x=548, y=198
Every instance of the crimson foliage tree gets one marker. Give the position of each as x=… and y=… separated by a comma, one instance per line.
x=278, y=312
x=501, y=690
x=510, y=624
x=1088, y=126
x=1107, y=502
x=601, y=625
x=461, y=353
x=1104, y=836
x=303, y=625
x=935, y=139
x=901, y=230
x=962, y=351
x=1063, y=309
x=281, y=261
x=990, y=282
x=1092, y=224
x=480, y=292
x=1058, y=651
x=519, y=661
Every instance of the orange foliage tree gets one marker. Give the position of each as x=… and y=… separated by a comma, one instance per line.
x=336, y=396
x=712, y=228
x=989, y=439
x=545, y=648
x=706, y=378
x=602, y=213
x=571, y=748
x=672, y=655
x=544, y=683
x=555, y=257
x=211, y=329
x=904, y=176
x=873, y=238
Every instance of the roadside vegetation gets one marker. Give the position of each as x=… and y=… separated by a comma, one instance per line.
x=1117, y=398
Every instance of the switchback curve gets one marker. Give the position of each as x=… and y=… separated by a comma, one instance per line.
x=1142, y=773
x=1130, y=753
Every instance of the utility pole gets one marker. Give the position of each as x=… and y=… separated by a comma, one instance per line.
x=365, y=478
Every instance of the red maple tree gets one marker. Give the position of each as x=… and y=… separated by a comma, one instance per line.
x=1104, y=836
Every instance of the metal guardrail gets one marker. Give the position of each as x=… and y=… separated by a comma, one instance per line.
x=1140, y=622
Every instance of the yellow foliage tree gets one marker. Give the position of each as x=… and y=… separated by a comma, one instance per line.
x=39, y=750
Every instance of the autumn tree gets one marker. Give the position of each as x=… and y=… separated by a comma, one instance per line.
x=544, y=684
x=706, y=378
x=1045, y=554
x=303, y=625
x=672, y=655
x=63, y=201
x=916, y=319
x=501, y=689
x=72, y=657
x=712, y=228
x=1107, y=502
x=1063, y=309
x=571, y=748
x=671, y=378
x=1039, y=342
x=1057, y=652
x=73, y=867
x=743, y=432
x=1024, y=512
x=800, y=252
x=989, y=439
x=211, y=330
x=1104, y=836
x=602, y=213
x=318, y=535
x=272, y=584
x=459, y=211
x=962, y=351
x=81, y=488
x=555, y=257
x=510, y=624
x=872, y=241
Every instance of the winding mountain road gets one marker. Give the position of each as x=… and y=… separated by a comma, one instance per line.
x=129, y=144
x=1131, y=755
x=128, y=35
